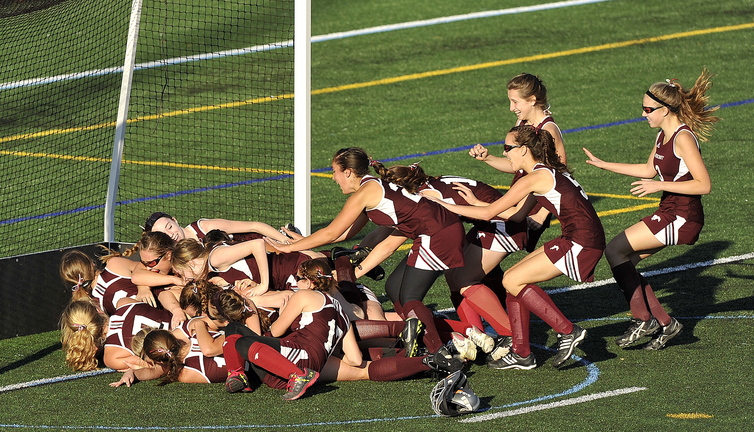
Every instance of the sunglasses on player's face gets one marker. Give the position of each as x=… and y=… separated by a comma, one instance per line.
x=650, y=110
x=508, y=147
x=153, y=262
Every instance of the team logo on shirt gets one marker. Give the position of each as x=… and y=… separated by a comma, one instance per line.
x=655, y=218
x=555, y=247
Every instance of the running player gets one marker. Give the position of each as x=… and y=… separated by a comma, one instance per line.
x=528, y=100
x=575, y=253
x=683, y=118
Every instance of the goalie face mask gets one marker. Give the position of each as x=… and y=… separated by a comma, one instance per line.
x=453, y=397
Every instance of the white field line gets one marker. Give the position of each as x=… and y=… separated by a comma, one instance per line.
x=53, y=380
x=654, y=273
x=289, y=43
x=558, y=404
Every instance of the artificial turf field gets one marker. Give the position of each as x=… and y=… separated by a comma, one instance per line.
x=430, y=92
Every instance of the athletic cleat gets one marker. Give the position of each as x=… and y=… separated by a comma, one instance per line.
x=298, y=384
x=668, y=332
x=514, y=361
x=566, y=344
x=502, y=348
x=377, y=273
x=480, y=339
x=465, y=347
x=443, y=361
x=237, y=382
x=410, y=336
x=637, y=330
x=355, y=255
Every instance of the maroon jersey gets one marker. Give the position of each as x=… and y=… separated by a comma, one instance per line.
x=437, y=233
x=672, y=168
x=568, y=202
x=444, y=185
x=211, y=368
x=112, y=287
x=130, y=319
x=283, y=269
x=409, y=213
x=313, y=337
x=200, y=234
x=496, y=234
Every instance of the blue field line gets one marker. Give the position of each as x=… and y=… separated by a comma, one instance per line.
x=289, y=43
x=321, y=170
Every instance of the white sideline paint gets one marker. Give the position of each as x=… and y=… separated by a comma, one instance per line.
x=289, y=43
x=53, y=380
x=654, y=273
x=565, y=402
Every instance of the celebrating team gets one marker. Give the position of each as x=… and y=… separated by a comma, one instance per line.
x=243, y=303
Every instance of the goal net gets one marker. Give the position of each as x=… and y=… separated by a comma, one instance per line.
x=210, y=120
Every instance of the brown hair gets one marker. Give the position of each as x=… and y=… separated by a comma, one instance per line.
x=529, y=85
x=690, y=105
x=79, y=272
x=541, y=145
x=153, y=241
x=162, y=347
x=353, y=158
x=319, y=273
x=410, y=177
x=185, y=251
x=233, y=307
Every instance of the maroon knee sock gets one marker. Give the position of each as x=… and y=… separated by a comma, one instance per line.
x=519, y=316
x=539, y=303
x=347, y=280
x=468, y=314
x=233, y=360
x=654, y=304
x=395, y=368
x=486, y=303
x=270, y=359
x=431, y=337
x=629, y=281
x=371, y=329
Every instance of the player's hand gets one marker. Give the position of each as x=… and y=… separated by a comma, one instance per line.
x=128, y=378
x=645, y=187
x=466, y=193
x=277, y=246
x=479, y=152
x=593, y=160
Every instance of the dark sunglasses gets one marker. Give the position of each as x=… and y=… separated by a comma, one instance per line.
x=300, y=278
x=650, y=110
x=508, y=147
x=154, y=262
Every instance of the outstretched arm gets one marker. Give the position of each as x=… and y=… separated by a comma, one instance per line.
x=235, y=227
x=645, y=170
x=481, y=153
x=346, y=224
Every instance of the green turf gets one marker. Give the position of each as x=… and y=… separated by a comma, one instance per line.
x=703, y=371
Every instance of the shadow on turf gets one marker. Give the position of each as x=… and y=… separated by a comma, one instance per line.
x=31, y=358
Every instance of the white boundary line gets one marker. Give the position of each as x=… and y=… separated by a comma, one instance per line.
x=684, y=267
x=565, y=402
x=53, y=380
x=289, y=43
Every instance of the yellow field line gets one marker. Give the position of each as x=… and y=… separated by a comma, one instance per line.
x=394, y=79
x=145, y=163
